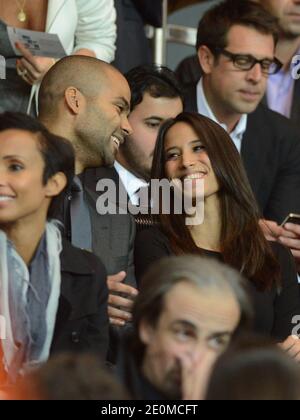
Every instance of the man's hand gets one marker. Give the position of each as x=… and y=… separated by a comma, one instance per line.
x=31, y=68
x=290, y=237
x=292, y=347
x=120, y=308
x=271, y=230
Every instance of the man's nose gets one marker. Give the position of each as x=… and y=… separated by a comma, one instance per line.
x=126, y=127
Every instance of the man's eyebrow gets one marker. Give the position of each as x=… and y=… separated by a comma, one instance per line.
x=124, y=102
x=251, y=55
x=185, y=323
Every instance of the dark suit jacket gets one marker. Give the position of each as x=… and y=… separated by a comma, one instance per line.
x=133, y=48
x=295, y=115
x=271, y=155
x=82, y=319
x=150, y=10
x=116, y=239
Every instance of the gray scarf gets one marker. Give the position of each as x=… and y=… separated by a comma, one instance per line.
x=29, y=301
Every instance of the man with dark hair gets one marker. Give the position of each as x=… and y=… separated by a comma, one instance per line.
x=283, y=90
x=237, y=55
x=187, y=312
x=88, y=101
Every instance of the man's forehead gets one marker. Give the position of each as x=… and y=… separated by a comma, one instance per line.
x=244, y=39
x=116, y=81
x=203, y=308
x=162, y=106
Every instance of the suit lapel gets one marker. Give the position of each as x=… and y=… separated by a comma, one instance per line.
x=295, y=114
x=101, y=223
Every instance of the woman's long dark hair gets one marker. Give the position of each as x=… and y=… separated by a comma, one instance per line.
x=243, y=245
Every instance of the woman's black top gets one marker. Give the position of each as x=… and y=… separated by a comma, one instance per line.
x=274, y=310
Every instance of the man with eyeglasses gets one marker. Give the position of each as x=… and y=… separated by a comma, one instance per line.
x=236, y=49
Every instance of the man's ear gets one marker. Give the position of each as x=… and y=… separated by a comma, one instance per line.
x=56, y=185
x=206, y=59
x=146, y=332
x=74, y=99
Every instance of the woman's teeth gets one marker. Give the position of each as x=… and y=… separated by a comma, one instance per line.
x=199, y=175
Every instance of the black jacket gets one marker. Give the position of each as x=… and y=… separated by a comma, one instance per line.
x=82, y=319
x=271, y=155
x=295, y=115
x=133, y=48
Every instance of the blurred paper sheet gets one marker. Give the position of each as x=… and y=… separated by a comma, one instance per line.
x=38, y=43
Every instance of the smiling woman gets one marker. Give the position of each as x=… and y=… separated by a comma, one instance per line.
x=36, y=265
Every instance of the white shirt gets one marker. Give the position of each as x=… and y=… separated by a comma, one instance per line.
x=131, y=183
x=204, y=109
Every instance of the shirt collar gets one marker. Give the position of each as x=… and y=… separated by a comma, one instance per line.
x=131, y=182
x=205, y=109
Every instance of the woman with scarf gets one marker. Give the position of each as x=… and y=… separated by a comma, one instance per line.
x=53, y=296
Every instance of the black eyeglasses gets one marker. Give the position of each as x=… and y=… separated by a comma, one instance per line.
x=247, y=62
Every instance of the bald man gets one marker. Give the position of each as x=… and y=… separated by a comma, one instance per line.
x=87, y=101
